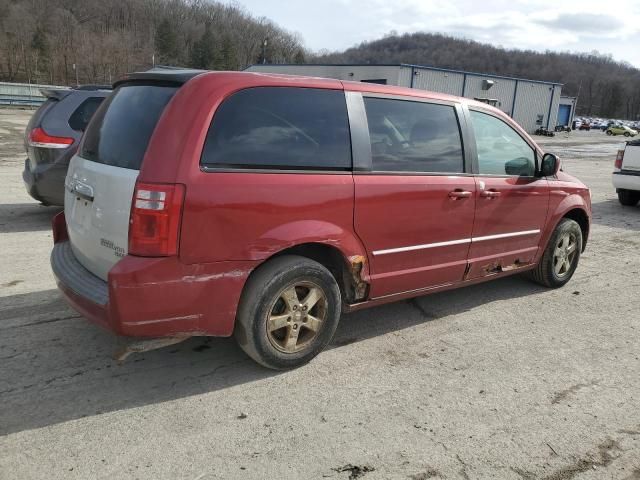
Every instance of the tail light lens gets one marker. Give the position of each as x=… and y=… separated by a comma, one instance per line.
x=619, y=159
x=156, y=214
x=39, y=138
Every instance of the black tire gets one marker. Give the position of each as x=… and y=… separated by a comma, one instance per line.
x=545, y=272
x=609, y=132
x=265, y=292
x=628, y=198
x=627, y=134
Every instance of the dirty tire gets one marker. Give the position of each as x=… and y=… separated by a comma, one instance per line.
x=628, y=198
x=545, y=272
x=267, y=302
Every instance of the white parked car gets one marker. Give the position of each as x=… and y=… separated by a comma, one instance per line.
x=626, y=174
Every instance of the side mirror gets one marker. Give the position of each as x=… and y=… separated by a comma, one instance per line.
x=520, y=166
x=550, y=165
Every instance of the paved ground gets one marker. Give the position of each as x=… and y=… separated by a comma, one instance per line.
x=502, y=380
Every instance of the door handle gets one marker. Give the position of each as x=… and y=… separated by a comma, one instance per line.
x=490, y=193
x=459, y=194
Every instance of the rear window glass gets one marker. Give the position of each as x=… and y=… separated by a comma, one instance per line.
x=79, y=119
x=280, y=127
x=120, y=130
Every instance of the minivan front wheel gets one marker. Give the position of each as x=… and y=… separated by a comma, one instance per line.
x=561, y=256
x=288, y=312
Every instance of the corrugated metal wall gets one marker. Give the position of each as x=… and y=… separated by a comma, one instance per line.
x=438, y=81
x=534, y=101
x=532, y=105
x=356, y=73
x=502, y=90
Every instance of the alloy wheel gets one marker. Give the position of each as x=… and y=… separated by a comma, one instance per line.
x=296, y=316
x=564, y=254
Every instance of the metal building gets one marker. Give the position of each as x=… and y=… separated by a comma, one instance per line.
x=531, y=103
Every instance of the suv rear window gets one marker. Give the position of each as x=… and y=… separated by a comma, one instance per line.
x=282, y=128
x=120, y=130
x=79, y=119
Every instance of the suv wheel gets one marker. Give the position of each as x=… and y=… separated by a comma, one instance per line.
x=560, y=259
x=628, y=198
x=288, y=312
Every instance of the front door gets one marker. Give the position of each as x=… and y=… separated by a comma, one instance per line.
x=414, y=207
x=511, y=202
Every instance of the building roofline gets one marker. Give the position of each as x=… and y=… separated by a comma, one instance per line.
x=410, y=65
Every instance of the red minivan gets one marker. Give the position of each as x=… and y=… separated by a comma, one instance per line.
x=264, y=206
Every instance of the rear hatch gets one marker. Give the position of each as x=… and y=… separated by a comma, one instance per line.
x=102, y=176
x=631, y=159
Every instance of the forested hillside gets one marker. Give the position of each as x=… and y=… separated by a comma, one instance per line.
x=606, y=88
x=41, y=40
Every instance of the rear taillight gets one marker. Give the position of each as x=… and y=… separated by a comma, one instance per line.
x=156, y=214
x=619, y=159
x=39, y=138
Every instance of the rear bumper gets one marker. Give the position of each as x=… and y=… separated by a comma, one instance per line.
x=152, y=297
x=46, y=182
x=626, y=180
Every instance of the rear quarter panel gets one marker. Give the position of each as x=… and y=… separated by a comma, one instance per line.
x=251, y=216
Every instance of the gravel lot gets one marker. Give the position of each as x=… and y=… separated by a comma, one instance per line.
x=501, y=380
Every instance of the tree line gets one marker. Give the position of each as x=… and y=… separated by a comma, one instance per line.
x=96, y=41
x=605, y=88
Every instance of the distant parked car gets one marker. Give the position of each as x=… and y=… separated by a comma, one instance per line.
x=585, y=126
x=626, y=174
x=621, y=130
x=52, y=137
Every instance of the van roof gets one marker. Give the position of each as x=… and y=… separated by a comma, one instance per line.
x=183, y=75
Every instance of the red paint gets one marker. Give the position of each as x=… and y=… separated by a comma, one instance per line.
x=232, y=222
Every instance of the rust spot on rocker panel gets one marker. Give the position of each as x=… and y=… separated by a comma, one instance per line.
x=356, y=265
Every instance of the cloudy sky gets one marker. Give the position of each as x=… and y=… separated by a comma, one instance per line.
x=574, y=25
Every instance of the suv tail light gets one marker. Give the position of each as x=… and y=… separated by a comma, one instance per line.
x=39, y=138
x=156, y=214
x=619, y=159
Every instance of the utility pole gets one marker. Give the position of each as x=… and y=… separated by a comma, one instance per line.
x=264, y=51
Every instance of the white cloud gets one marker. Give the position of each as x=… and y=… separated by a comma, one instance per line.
x=570, y=25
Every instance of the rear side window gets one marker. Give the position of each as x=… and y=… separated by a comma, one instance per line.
x=79, y=119
x=282, y=128
x=120, y=130
x=411, y=136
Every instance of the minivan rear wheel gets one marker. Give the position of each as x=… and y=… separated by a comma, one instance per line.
x=561, y=256
x=288, y=312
